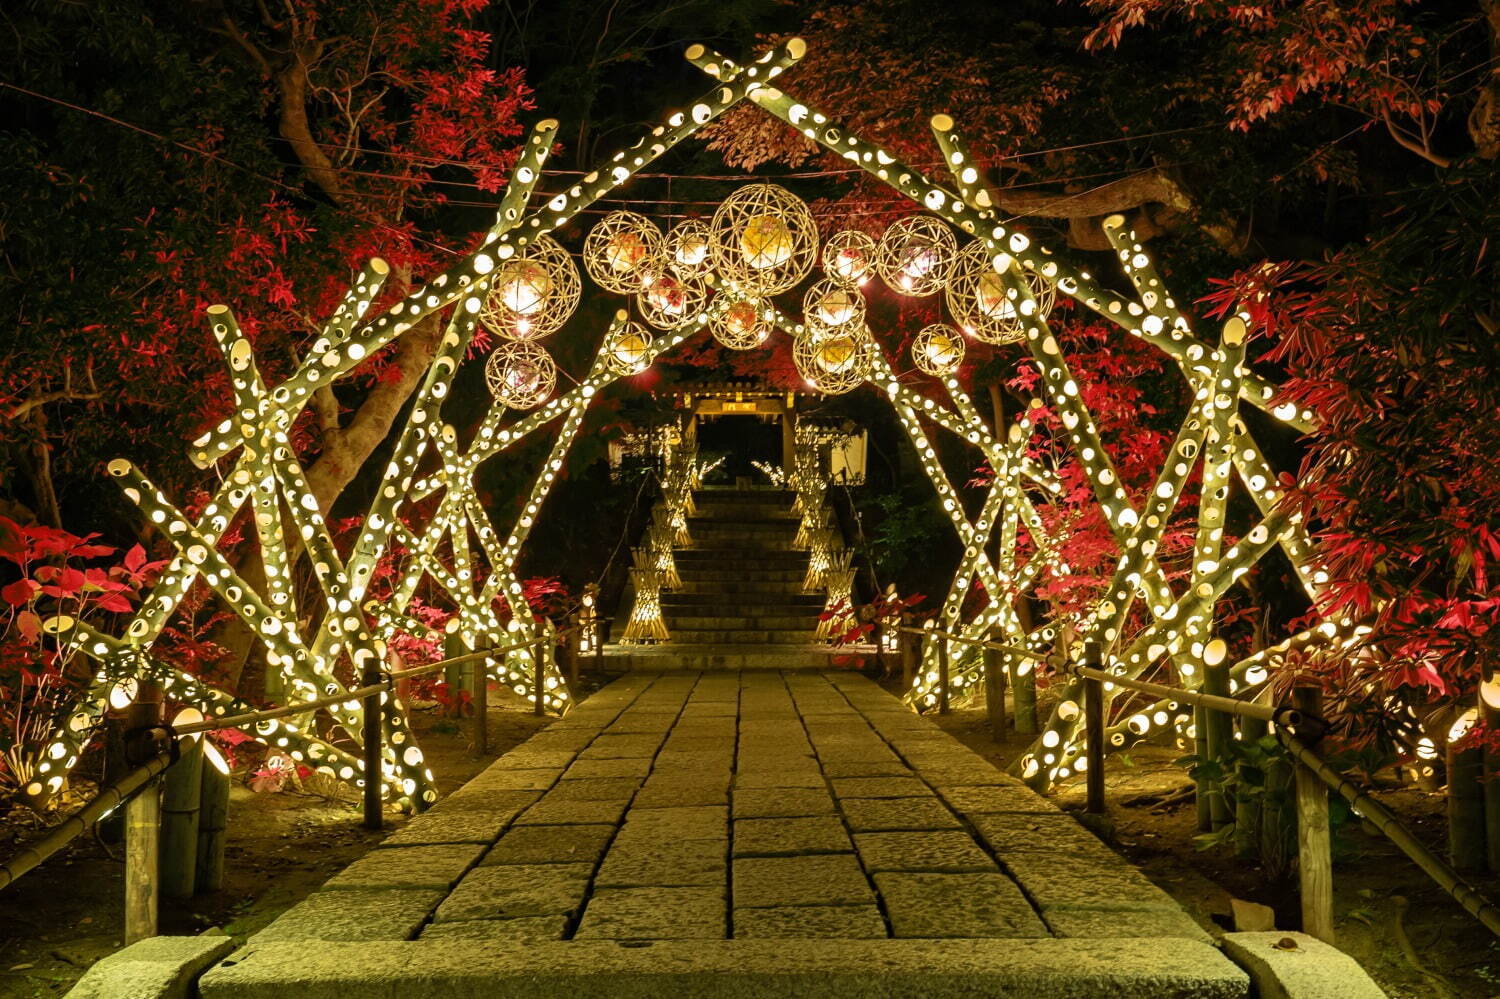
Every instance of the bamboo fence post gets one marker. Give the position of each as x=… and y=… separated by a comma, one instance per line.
x=481, y=701
x=374, y=817
x=213, y=819
x=1249, y=811
x=1023, y=694
x=1490, y=718
x=1202, y=787
x=143, y=823
x=1314, y=840
x=600, y=633
x=1220, y=734
x=182, y=787
x=1467, y=847
x=908, y=659
x=574, y=641
x=942, y=658
x=539, y=672
x=994, y=692
x=1093, y=706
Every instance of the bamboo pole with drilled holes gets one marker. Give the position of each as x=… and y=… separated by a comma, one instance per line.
x=143, y=825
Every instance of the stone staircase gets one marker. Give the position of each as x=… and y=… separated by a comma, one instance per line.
x=741, y=604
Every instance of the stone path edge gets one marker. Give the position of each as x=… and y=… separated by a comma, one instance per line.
x=1122, y=968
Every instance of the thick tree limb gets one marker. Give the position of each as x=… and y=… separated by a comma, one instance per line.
x=1161, y=205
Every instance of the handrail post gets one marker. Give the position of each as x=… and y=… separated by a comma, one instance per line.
x=1314, y=841
x=481, y=702
x=539, y=671
x=908, y=658
x=942, y=657
x=574, y=634
x=601, y=629
x=1093, y=708
x=994, y=692
x=374, y=814
x=143, y=822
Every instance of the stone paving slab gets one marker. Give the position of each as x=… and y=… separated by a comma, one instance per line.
x=957, y=905
x=582, y=844
x=943, y=851
x=354, y=914
x=734, y=969
x=809, y=922
x=830, y=879
x=794, y=812
x=517, y=890
x=654, y=914
x=789, y=837
x=435, y=867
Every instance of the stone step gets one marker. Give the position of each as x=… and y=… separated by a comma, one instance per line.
x=761, y=636
x=732, y=588
x=740, y=622
x=718, y=555
x=803, y=655
x=704, y=602
x=732, y=575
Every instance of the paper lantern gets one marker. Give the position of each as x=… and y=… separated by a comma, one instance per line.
x=763, y=239
x=532, y=294
x=687, y=249
x=618, y=251
x=741, y=326
x=520, y=374
x=916, y=255
x=849, y=257
x=938, y=350
x=627, y=350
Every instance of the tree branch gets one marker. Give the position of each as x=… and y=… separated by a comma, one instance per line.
x=1412, y=145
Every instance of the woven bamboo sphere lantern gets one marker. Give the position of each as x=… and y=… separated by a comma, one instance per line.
x=619, y=251
x=828, y=305
x=849, y=257
x=533, y=293
x=688, y=249
x=763, y=239
x=741, y=326
x=834, y=361
x=987, y=303
x=669, y=300
x=627, y=350
x=520, y=374
x=916, y=255
x=938, y=350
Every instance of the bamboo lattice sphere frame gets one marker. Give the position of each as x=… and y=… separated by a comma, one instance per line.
x=533, y=293
x=670, y=300
x=689, y=249
x=849, y=257
x=622, y=251
x=521, y=374
x=915, y=255
x=429, y=466
x=938, y=350
x=985, y=303
x=742, y=324
x=764, y=239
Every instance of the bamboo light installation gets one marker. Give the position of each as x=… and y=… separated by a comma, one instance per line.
x=761, y=243
x=645, y=625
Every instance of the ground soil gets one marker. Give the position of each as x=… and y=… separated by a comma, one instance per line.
x=1412, y=938
x=66, y=914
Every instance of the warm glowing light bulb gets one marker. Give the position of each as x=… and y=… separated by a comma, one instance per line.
x=766, y=241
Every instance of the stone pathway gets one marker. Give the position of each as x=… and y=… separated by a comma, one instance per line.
x=752, y=808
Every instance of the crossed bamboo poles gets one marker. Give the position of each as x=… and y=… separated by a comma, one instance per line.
x=267, y=476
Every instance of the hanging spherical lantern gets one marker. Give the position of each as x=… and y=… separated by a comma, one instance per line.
x=533, y=293
x=670, y=301
x=687, y=248
x=986, y=304
x=520, y=374
x=763, y=239
x=741, y=326
x=834, y=361
x=828, y=304
x=627, y=350
x=849, y=257
x=938, y=350
x=618, y=251
x=916, y=255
